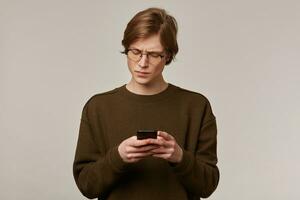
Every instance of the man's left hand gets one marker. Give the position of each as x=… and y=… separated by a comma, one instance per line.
x=169, y=150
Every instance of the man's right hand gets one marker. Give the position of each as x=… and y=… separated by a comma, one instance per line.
x=132, y=150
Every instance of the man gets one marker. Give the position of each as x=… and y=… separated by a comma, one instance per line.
x=180, y=163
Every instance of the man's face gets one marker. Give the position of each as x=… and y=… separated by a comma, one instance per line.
x=153, y=70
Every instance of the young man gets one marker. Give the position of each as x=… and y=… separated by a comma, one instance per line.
x=111, y=163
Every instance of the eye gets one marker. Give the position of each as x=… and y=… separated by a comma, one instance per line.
x=135, y=51
x=154, y=54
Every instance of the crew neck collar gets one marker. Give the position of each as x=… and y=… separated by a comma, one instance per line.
x=165, y=94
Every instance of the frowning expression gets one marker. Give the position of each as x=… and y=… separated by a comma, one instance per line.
x=146, y=60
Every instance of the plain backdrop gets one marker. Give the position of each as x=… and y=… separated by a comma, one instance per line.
x=244, y=56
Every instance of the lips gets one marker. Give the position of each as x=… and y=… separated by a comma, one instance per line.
x=143, y=73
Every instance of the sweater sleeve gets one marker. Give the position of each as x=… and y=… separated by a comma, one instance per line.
x=198, y=171
x=95, y=172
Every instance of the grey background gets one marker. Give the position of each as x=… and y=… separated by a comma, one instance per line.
x=242, y=55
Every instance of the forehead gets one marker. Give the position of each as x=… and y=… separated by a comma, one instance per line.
x=150, y=43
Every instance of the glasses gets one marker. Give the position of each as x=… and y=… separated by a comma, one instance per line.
x=152, y=56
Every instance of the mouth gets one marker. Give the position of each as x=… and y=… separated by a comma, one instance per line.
x=142, y=73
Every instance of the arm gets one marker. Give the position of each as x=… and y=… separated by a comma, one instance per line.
x=95, y=172
x=198, y=171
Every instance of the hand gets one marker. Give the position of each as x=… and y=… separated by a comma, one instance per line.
x=132, y=150
x=169, y=150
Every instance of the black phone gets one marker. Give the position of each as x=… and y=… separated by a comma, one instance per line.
x=144, y=134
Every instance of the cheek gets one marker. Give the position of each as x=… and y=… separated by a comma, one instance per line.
x=159, y=68
x=130, y=65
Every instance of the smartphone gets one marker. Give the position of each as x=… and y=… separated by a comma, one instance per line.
x=144, y=134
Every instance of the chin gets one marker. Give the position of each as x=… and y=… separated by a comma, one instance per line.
x=142, y=81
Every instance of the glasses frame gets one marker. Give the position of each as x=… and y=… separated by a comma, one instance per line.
x=161, y=54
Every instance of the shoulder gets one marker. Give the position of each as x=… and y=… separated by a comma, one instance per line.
x=101, y=98
x=192, y=95
x=103, y=95
x=197, y=102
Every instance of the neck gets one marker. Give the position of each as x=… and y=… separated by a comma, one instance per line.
x=146, y=89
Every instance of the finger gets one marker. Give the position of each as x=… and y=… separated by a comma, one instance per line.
x=150, y=141
x=163, y=151
x=145, y=148
x=159, y=151
x=166, y=143
x=165, y=135
x=138, y=155
x=164, y=156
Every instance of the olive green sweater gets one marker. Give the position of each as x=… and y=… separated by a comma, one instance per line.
x=111, y=117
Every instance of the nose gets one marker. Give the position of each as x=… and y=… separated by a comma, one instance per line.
x=144, y=61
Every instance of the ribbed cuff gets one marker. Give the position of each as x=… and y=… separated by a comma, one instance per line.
x=116, y=161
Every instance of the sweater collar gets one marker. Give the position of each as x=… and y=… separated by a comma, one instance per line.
x=161, y=96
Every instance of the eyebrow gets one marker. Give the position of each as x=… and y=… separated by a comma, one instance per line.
x=151, y=51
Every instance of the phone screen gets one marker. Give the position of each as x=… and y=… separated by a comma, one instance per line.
x=144, y=134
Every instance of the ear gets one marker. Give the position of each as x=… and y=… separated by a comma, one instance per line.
x=168, y=57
